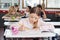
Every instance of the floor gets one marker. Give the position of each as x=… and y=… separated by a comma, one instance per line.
x=1, y=33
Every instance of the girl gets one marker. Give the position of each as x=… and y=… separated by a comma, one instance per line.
x=42, y=13
x=33, y=22
x=17, y=8
x=12, y=13
x=28, y=8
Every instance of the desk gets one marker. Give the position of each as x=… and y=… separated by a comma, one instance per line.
x=47, y=19
x=9, y=19
x=54, y=23
x=9, y=23
x=28, y=34
x=17, y=19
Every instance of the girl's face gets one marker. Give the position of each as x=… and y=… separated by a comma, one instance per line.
x=33, y=17
x=13, y=12
x=38, y=9
x=27, y=9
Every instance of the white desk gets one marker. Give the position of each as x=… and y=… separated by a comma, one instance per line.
x=47, y=19
x=28, y=34
x=16, y=19
x=54, y=23
x=12, y=19
x=10, y=23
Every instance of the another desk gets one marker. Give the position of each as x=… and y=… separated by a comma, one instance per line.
x=17, y=19
x=10, y=23
x=7, y=24
x=54, y=23
x=47, y=19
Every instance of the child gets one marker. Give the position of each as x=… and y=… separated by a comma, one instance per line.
x=42, y=13
x=28, y=8
x=17, y=8
x=12, y=13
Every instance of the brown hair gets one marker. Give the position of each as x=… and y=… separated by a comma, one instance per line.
x=16, y=5
x=39, y=6
x=29, y=8
x=11, y=9
x=33, y=10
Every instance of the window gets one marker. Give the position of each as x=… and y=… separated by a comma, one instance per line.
x=48, y=3
x=31, y=3
x=15, y=3
x=53, y=3
x=0, y=5
x=5, y=4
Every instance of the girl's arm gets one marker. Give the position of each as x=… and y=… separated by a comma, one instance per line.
x=6, y=16
x=22, y=27
x=48, y=27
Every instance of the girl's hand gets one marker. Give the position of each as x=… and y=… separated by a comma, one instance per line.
x=22, y=28
x=36, y=28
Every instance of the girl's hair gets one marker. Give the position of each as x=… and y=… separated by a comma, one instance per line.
x=33, y=10
x=11, y=9
x=17, y=8
x=39, y=6
x=29, y=8
x=16, y=5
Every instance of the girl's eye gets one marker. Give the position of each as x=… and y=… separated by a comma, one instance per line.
x=34, y=17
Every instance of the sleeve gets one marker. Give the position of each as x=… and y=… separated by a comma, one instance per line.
x=51, y=27
x=47, y=27
x=17, y=25
x=21, y=22
x=7, y=15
